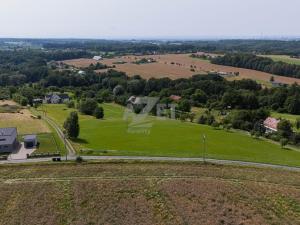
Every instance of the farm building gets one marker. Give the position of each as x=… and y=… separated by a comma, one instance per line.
x=30, y=141
x=97, y=57
x=54, y=98
x=277, y=84
x=271, y=125
x=8, y=139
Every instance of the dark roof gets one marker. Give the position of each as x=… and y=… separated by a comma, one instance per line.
x=8, y=135
x=63, y=96
x=29, y=137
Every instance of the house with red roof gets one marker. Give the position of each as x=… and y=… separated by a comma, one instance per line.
x=271, y=124
x=175, y=98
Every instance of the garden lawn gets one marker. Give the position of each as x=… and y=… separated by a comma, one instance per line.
x=116, y=136
x=290, y=117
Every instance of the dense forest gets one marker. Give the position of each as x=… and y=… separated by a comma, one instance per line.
x=254, y=62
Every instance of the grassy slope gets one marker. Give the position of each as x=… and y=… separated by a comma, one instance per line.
x=148, y=194
x=49, y=142
x=171, y=138
x=284, y=58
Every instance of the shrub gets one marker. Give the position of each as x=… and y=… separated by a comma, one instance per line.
x=283, y=142
x=88, y=106
x=79, y=159
x=99, y=113
x=71, y=104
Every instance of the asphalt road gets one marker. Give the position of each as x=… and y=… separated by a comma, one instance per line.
x=72, y=156
x=158, y=159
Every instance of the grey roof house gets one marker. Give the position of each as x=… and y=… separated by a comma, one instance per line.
x=8, y=139
x=55, y=98
x=30, y=141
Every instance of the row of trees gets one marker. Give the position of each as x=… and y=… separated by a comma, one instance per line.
x=254, y=62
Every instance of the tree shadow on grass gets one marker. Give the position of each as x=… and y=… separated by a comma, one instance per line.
x=80, y=141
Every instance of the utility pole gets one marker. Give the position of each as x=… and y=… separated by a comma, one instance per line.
x=204, y=147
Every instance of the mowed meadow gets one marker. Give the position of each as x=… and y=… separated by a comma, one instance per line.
x=176, y=66
x=117, y=135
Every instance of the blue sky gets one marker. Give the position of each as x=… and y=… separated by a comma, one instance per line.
x=148, y=19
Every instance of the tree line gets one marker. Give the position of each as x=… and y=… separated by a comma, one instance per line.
x=250, y=61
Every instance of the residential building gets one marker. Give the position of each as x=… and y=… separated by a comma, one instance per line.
x=8, y=139
x=55, y=98
x=271, y=125
x=175, y=98
x=97, y=57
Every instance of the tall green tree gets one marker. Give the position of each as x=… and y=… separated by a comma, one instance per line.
x=285, y=129
x=72, y=125
x=99, y=113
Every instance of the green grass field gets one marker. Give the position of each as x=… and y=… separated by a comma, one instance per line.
x=115, y=136
x=290, y=117
x=283, y=58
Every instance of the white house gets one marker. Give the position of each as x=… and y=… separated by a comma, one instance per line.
x=97, y=57
x=81, y=72
x=54, y=98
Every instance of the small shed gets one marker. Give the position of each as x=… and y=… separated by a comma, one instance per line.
x=30, y=141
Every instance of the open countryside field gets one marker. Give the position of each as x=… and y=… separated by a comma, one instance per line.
x=177, y=66
x=12, y=115
x=147, y=193
x=22, y=119
x=284, y=58
x=116, y=136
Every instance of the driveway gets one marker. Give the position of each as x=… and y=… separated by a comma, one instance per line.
x=21, y=153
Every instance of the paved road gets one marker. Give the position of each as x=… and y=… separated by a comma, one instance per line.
x=159, y=159
x=72, y=156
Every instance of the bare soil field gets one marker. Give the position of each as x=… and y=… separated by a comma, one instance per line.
x=147, y=193
x=23, y=120
x=177, y=66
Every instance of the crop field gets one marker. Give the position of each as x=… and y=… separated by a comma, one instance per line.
x=177, y=66
x=147, y=193
x=284, y=58
x=154, y=137
x=22, y=119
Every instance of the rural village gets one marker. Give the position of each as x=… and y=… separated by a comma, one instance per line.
x=149, y=112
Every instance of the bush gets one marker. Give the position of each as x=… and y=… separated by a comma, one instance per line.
x=283, y=142
x=207, y=119
x=79, y=159
x=215, y=125
x=285, y=128
x=99, y=113
x=88, y=106
x=71, y=104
